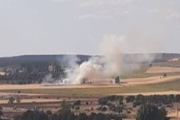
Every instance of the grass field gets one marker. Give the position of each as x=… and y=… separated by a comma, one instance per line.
x=167, y=86
x=167, y=64
x=142, y=72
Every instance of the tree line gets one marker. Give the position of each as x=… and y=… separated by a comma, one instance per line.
x=141, y=99
x=145, y=112
x=31, y=72
x=65, y=113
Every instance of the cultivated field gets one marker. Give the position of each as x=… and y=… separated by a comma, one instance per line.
x=153, y=84
x=147, y=82
x=163, y=70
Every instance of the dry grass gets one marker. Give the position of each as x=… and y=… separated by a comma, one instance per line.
x=152, y=84
x=160, y=87
x=156, y=69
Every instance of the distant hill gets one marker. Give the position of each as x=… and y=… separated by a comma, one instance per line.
x=17, y=60
x=163, y=57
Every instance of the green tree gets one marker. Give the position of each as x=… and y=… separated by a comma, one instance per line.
x=150, y=112
x=65, y=111
x=119, y=109
x=42, y=116
x=1, y=114
x=11, y=100
x=82, y=116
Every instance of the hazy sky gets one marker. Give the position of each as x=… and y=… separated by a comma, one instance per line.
x=79, y=26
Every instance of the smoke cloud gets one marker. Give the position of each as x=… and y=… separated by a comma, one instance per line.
x=111, y=63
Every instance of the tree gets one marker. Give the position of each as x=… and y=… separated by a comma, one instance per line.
x=65, y=111
x=1, y=113
x=42, y=116
x=28, y=115
x=99, y=116
x=130, y=99
x=119, y=109
x=18, y=117
x=77, y=103
x=163, y=114
x=150, y=112
x=82, y=116
x=77, y=108
x=11, y=100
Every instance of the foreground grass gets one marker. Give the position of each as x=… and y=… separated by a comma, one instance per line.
x=174, y=85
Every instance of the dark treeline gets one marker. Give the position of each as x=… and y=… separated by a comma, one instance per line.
x=158, y=100
x=64, y=113
x=145, y=112
x=17, y=60
x=31, y=72
x=33, y=68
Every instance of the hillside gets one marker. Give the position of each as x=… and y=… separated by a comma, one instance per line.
x=17, y=60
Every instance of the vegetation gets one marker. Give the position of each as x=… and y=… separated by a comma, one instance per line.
x=151, y=112
x=64, y=113
x=167, y=86
x=1, y=113
x=146, y=111
x=31, y=72
x=138, y=100
x=11, y=100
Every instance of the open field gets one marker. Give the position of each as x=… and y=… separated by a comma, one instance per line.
x=49, y=97
x=163, y=69
x=152, y=71
x=171, y=85
x=167, y=64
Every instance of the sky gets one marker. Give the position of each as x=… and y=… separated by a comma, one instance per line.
x=79, y=26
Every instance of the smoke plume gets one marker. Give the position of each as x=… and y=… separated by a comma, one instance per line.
x=110, y=64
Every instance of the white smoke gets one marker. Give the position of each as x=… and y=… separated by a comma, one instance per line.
x=111, y=63
x=107, y=66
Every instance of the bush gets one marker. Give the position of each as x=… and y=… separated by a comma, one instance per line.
x=130, y=99
x=77, y=103
x=151, y=112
